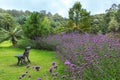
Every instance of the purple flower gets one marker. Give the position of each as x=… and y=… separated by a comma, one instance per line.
x=55, y=67
x=72, y=65
x=72, y=68
x=79, y=72
x=37, y=68
x=38, y=79
x=50, y=70
x=63, y=77
x=53, y=63
x=67, y=62
x=23, y=75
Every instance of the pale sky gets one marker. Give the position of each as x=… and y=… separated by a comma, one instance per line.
x=57, y=6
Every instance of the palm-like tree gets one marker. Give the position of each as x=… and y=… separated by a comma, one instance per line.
x=11, y=34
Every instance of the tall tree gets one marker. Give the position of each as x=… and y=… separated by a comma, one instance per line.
x=36, y=26
x=9, y=29
x=12, y=34
x=31, y=28
x=117, y=16
x=79, y=17
x=112, y=18
x=113, y=25
x=7, y=21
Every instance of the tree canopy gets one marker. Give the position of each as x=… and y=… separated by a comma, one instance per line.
x=36, y=26
x=79, y=17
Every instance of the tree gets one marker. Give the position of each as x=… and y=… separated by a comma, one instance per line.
x=117, y=16
x=98, y=23
x=12, y=34
x=36, y=26
x=7, y=21
x=31, y=28
x=57, y=21
x=79, y=17
x=21, y=19
x=113, y=25
x=112, y=19
x=8, y=29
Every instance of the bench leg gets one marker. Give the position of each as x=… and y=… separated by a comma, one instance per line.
x=18, y=61
x=24, y=61
x=28, y=59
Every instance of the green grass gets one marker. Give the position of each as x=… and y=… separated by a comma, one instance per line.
x=6, y=44
x=10, y=71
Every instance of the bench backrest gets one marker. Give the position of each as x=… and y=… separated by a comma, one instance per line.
x=26, y=52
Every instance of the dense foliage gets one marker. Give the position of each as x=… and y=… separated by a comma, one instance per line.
x=93, y=57
x=9, y=29
x=7, y=21
x=79, y=18
x=35, y=26
x=108, y=21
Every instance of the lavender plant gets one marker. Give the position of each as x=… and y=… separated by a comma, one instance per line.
x=91, y=57
x=86, y=56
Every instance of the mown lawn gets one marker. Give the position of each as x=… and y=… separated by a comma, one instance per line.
x=10, y=71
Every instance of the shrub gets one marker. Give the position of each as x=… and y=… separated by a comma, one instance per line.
x=46, y=43
x=36, y=25
x=25, y=42
x=40, y=43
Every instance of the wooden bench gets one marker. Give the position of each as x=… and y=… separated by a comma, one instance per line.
x=22, y=57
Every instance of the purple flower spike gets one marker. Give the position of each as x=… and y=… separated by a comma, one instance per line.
x=55, y=67
x=38, y=79
x=67, y=62
x=23, y=75
x=53, y=63
x=63, y=77
x=37, y=68
x=50, y=70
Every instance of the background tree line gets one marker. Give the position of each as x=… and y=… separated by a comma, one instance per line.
x=108, y=21
x=15, y=24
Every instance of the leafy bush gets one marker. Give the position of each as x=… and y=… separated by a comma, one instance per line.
x=45, y=43
x=36, y=26
x=25, y=42
x=48, y=43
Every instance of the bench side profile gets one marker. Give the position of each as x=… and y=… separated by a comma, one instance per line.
x=22, y=57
